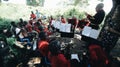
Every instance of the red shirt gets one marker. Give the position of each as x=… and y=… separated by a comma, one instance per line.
x=33, y=16
x=29, y=27
x=58, y=61
x=43, y=47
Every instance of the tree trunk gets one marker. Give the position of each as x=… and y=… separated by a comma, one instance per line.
x=115, y=4
x=110, y=14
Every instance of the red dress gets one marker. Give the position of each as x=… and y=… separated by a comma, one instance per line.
x=58, y=61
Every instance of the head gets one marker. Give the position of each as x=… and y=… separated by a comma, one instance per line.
x=32, y=12
x=43, y=35
x=21, y=20
x=36, y=10
x=13, y=24
x=99, y=7
x=54, y=47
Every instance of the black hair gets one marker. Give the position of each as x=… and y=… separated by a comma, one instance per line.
x=54, y=47
x=13, y=23
x=42, y=35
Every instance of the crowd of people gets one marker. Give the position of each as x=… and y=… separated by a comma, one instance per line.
x=50, y=50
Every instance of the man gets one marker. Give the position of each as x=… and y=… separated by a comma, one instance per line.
x=97, y=19
x=32, y=15
x=43, y=48
x=37, y=15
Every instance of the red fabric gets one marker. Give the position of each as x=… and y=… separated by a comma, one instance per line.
x=33, y=16
x=58, y=61
x=29, y=27
x=36, y=29
x=43, y=47
x=97, y=54
x=47, y=31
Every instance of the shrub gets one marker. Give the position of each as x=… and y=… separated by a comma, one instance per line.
x=4, y=23
x=74, y=12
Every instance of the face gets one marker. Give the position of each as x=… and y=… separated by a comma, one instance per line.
x=97, y=9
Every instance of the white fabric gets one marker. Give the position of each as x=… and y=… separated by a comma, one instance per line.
x=53, y=22
x=17, y=30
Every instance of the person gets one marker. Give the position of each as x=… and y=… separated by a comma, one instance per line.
x=111, y=32
x=14, y=29
x=43, y=48
x=21, y=23
x=97, y=19
x=63, y=19
x=29, y=27
x=32, y=15
x=43, y=43
x=57, y=59
x=37, y=14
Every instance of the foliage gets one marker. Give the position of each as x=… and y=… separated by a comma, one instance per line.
x=35, y=2
x=4, y=23
x=81, y=2
x=101, y=0
x=11, y=41
x=74, y=12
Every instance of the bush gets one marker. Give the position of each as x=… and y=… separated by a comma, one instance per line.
x=74, y=12
x=4, y=23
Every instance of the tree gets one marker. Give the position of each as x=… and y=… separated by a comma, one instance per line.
x=80, y=2
x=110, y=14
x=36, y=2
x=115, y=4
